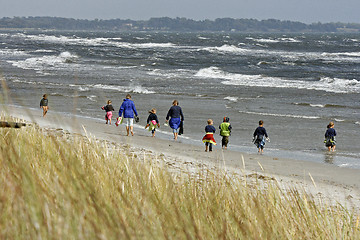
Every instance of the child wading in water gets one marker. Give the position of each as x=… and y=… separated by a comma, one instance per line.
x=44, y=104
x=152, y=121
x=330, y=141
x=225, y=131
x=108, y=108
x=260, y=135
x=208, y=139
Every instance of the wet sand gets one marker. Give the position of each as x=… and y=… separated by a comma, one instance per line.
x=331, y=183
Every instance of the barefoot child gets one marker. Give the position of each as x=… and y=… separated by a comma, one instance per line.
x=208, y=139
x=260, y=135
x=225, y=131
x=152, y=121
x=44, y=104
x=108, y=108
x=330, y=141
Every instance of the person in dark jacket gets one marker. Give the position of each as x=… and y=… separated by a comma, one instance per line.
x=44, y=104
x=330, y=141
x=176, y=115
x=128, y=109
x=152, y=121
x=260, y=135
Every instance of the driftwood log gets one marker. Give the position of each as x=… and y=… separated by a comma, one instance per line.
x=11, y=124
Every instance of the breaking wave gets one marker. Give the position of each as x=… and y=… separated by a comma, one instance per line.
x=335, y=85
x=132, y=89
x=44, y=62
x=280, y=115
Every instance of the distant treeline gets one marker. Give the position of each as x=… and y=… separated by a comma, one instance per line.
x=176, y=24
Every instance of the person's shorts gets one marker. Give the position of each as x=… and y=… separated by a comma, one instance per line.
x=176, y=130
x=129, y=122
x=108, y=115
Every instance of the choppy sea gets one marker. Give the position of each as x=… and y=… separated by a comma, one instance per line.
x=295, y=83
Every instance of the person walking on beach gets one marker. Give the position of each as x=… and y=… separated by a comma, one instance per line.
x=108, y=108
x=152, y=121
x=225, y=131
x=44, y=104
x=259, y=136
x=128, y=108
x=330, y=141
x=176, y=115
x=208, y=139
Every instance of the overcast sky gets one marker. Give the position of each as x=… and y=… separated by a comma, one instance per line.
x=307, y=11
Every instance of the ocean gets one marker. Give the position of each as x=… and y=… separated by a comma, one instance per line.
x=295, y=83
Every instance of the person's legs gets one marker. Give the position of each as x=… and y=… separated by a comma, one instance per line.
x=153, y=132
x=176, y=133
x=206, y=146
x=210, y=147
x=45, y=109
x=132, y=130
x=129, y=126
x=225, y=141
x=108, y=116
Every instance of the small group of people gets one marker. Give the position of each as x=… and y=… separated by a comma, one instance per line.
x=225, y=132
x=259, y=137
x=128, y=112
x=175, y=119
x=127, y=109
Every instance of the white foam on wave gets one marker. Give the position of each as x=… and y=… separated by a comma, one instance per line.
x=37, y=82
x=317, y=105
x=231, y=99
x=178, y=73
x=276, y=40
x=92, y=98
x=74, y=40
x=203, y=38
x=339, y=55
x=12, y=52
x=133, y=89
x=226, y=49
x=44, y=51
x=45, y=62
x=358, y=123
x=289, y=57
x=280, y=115
x=267, y=40
x=83, y=89
x=335, y=85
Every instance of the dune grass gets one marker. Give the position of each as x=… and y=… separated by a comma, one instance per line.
x=60, y=187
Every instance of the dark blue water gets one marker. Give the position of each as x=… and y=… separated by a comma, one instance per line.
x=296, y=83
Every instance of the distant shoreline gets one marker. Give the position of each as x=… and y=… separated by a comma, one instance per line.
x=177, y=25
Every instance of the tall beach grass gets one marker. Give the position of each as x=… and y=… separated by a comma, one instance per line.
x=61, y=186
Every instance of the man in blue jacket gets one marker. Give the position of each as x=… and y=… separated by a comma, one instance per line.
x=128, y=108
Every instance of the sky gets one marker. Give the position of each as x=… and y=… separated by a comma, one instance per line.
x=306, y=11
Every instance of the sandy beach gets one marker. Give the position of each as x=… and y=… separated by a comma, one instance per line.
x=328, y=183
